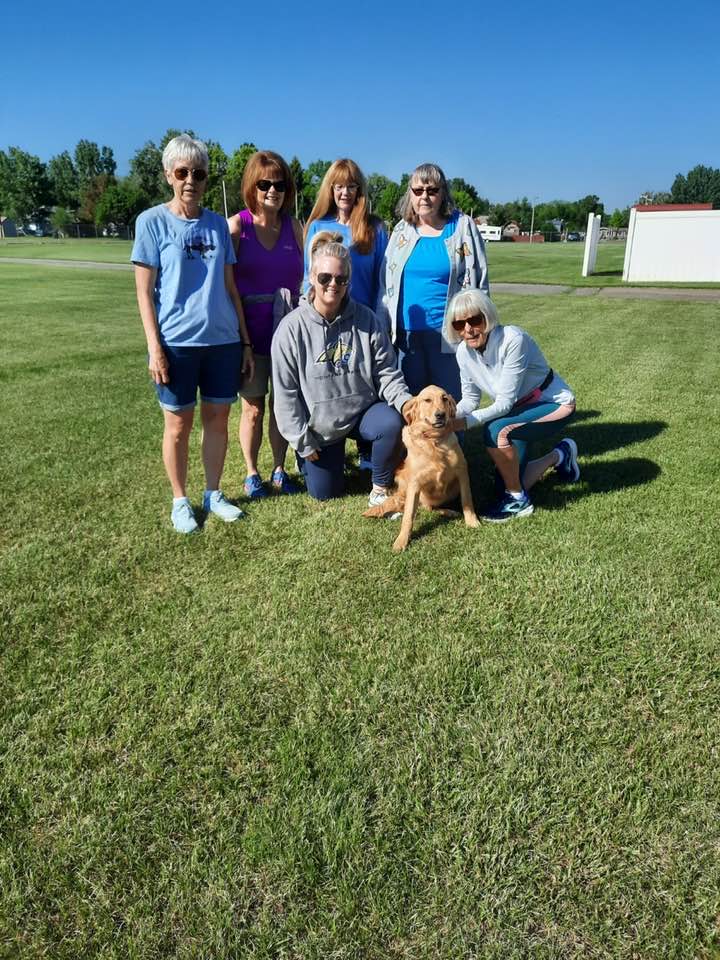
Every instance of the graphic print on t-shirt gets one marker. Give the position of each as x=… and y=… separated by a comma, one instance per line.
x=197, y=241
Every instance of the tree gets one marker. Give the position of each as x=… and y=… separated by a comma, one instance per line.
x=119, y=204
x=87, y=163
x=234, y=174
x=313, y=178
x=649, y=197
x=61, y=220
x=463, y=201
x=376, y=183
x=147, y=174
x=107, y=161
x=91, y=195
x=64, y=182
x=24, y=188
x=619, y=218
x=298, y=176
x=217, y=171
x=701, y=185
x=387, y=202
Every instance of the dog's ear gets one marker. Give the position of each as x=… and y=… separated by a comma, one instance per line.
x=408, y=410
x=452, y=408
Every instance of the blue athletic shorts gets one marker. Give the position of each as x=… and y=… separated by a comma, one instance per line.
x=215, y=370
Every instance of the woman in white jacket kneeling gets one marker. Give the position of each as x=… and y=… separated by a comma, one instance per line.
x=335, y=375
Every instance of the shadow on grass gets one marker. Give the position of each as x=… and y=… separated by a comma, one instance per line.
x=609, y=476
x=607, y=273
x=586, y=415
x=596, y=438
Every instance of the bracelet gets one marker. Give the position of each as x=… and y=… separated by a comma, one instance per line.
x=246, y=344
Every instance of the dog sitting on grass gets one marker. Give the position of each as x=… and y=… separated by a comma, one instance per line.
x=434, y=471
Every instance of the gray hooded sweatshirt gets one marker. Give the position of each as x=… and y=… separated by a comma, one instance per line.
x=326, y=374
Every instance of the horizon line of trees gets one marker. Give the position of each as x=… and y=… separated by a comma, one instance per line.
x=83, y=187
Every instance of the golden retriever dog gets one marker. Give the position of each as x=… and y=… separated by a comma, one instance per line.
x=434, y=470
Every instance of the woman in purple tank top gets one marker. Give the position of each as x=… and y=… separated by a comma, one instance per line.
x=268, y=243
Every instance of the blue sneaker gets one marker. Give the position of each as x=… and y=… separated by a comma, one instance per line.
x=568, y=471
x=508, y=509
x=183, y=518
x=254, y=488
x=281, y=482
x=214, y=502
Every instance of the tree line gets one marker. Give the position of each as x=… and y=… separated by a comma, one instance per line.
x=83, y=187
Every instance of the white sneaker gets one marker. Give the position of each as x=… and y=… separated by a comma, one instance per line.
x=377, y=499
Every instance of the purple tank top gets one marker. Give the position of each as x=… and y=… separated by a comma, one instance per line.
x=260, y=272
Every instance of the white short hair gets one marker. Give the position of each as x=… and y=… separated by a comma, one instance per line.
x=469, y=303
x=187, y=149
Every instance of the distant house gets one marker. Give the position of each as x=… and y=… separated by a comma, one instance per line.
x=613, y=233
x=511, y=229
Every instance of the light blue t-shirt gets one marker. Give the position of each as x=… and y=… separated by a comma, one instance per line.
x=424, y=287
x=193, y=306
x=366, y=267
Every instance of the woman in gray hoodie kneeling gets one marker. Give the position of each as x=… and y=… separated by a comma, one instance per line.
x=335, y=375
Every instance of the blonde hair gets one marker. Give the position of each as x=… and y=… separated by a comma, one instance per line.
x=426, y=173
x=469, y=303
x=362, y=224
x=327, y=243
x=261, y=166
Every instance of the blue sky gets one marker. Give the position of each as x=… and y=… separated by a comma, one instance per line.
x=550, y=101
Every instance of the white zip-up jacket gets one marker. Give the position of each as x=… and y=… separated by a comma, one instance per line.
x=509, y=369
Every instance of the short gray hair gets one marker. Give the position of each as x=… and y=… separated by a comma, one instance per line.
x=469, y=303
x=425, y=173
x=187, y=149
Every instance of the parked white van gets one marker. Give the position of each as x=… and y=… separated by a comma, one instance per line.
x=490, y=233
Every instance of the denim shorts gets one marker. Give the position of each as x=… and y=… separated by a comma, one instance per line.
x=215, y=370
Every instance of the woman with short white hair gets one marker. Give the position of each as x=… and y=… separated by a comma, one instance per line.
x=530, y=401
x=194, y=325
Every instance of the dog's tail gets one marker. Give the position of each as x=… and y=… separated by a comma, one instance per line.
x=393, y=504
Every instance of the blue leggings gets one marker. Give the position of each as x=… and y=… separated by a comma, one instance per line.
x=531, y=421
x=423, y=362
x=380, y=426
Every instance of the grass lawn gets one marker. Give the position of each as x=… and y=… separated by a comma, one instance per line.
x=559, y=263
x=278, y=740
x=48, y=248
x=554, y=263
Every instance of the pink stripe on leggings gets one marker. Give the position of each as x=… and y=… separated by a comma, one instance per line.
x=564, y=410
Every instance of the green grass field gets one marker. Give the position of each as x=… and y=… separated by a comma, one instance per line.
x=279, y=740
x=559, y=263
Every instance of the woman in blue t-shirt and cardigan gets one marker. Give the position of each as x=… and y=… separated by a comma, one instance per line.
x=194, y=325
x=434, y=252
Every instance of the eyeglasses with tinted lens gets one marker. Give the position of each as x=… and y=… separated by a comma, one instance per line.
x=324, y=279
x=430, y=191
x=264, y=185
x=474, y=322
x=197, y=174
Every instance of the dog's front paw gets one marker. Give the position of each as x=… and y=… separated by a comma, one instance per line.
x=400, y=544
x=472, y=521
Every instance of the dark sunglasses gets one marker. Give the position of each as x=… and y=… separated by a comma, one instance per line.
x=430, y=191
x=198, y=174
x=265, y=185
x=478, y=321
x=325, y=278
